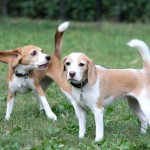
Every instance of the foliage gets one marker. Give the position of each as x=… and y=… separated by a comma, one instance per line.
x=105, y=43
x=135, y=10
x=85, y=10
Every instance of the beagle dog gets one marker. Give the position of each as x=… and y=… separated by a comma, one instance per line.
x=96, y=87
x=29, y=69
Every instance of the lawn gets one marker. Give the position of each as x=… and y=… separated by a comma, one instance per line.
x=105, y=43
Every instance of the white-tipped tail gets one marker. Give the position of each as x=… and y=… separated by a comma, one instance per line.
x=142, y=48
x=62, y=27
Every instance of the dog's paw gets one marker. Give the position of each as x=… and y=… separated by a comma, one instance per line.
x=143, y=131
x=7, y=118
x=81, y=134
x=98, y=138
x=52, y=116
x=41, y=108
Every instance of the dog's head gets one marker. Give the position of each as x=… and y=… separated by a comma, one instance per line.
x=79, y=67
x=30, y=56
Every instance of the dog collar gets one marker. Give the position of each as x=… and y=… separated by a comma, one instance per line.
x=21, y=75
x=80, y=85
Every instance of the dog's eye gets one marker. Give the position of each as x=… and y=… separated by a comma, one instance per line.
x=67, y=63
x=33, y=53
x=81, y=64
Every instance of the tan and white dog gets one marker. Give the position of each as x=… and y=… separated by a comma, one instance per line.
x=29, y=69
x=96, y=87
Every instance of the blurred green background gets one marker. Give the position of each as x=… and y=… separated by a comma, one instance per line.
x=81, y=10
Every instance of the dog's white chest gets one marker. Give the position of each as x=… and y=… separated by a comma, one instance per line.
x=88, y=96
x=21, y=84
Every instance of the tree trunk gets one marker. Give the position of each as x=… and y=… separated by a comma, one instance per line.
x=62, y=15
x=5, y=7
x=98, y=10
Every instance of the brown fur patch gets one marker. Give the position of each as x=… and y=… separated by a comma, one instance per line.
x=120, y=83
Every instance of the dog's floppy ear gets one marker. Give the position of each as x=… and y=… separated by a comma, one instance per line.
x=63, y=65
x=11, y=56
x=92, y=73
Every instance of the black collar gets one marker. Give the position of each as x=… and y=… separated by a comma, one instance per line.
x=79, y=85
x=21, y=75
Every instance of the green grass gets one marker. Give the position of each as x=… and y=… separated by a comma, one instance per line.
x=105, y=43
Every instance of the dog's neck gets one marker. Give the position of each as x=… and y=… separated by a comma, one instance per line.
x=22, y=70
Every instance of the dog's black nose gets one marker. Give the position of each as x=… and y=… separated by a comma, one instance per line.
x=72, y=74
x=48, y=58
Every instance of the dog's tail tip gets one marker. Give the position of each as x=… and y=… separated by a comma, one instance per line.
x=142, y=48
x=135, y=43
x=139, y=44
x=62, y=27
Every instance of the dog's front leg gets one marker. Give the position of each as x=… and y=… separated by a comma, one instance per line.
x=98, y=115
x=10, y=104
x=44, y=103
x=72, y=101
x=40, y=103
x=81, y=114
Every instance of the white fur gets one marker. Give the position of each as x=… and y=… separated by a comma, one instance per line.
x=62, y=27
x=90, y=95
x=144, y=102
x=23, y=69
x=98, y=115
x=41, y=59
x=21, y=84
x=142, y=47
x=9, y=108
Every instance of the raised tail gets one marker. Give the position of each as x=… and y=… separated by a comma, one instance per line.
x=143, y=49
x=58, y=38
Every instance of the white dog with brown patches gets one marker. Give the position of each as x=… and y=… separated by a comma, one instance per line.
x=96, y=87
x=29, y=70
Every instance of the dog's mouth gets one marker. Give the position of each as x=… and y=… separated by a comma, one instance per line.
x=73, y=80
x=43, y=66
x=70, y=79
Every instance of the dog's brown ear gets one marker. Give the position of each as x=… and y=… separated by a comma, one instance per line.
x=92, y=73
x=11, y=56
x=63, y=66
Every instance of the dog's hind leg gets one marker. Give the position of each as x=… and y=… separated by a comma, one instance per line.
x=10, y=104
x=98, y=115
x=145, y=107
x=135, y=107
